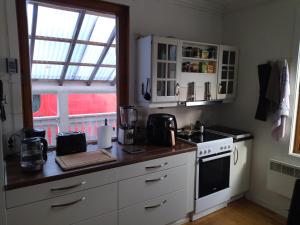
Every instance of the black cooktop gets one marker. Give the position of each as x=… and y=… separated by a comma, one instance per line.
x=197, y=137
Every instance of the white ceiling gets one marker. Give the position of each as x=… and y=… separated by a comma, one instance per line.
x=220, y=6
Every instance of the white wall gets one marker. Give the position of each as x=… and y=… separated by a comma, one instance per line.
x=262, y=33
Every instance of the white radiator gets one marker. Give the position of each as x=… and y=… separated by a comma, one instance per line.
x=281, y=177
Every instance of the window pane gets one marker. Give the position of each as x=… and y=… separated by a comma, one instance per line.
x=78, y=53
x=92, y=54
x=79, y=72
x=88, y=24
x=103, y=29
x=29, y=17
x=71, y=72
x=45, y=116
x=56, y=22
x=84, y=72
x=46, y=71
x=105, y=73
x=47, y=105
x=110, y=57
x=50, y=50
x=89, y=111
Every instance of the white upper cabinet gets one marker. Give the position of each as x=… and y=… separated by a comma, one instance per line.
x=158, y=70
x=198, y=75
x=172, y=72
x=227, y=72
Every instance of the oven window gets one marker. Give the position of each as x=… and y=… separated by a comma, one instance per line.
x=213, y=175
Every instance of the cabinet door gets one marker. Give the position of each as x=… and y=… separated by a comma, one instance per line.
x=240, y=168
x=227, y=72
x=165, y=69
x=107, y=219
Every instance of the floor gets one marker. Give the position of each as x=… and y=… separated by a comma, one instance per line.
x=241, y=212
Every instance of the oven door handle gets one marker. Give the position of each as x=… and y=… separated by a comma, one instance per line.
x=216, y=157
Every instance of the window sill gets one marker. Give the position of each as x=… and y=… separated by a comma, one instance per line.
x=296, y=155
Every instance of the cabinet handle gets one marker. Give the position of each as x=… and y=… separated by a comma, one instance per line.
x=177, y=89
x=237, y=155
x=156, y=166
x=156, y=206
x=156, y=179
x=68, y=203
x=68, y=187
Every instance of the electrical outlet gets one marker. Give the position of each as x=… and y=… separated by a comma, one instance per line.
x=11, y=65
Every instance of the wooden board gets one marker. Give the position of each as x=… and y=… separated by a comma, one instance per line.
x=73, y=161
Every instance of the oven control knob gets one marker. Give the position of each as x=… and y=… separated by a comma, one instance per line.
x=209, y=150
x=204, y=151
x=225, y=147
x=228, y=146
x=200, y=152
x=222, y=148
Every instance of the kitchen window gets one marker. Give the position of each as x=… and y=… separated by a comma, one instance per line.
x=74, y=64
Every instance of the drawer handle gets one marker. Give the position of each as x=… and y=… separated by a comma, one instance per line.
x=156, y=167
x=68, y=203
x=156, y=179
x=68, y=187
x=156, y=206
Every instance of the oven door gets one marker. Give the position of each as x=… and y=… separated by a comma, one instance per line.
x=212, y=174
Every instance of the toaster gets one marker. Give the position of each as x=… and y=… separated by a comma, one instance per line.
x=161, y=129
x=70, y=143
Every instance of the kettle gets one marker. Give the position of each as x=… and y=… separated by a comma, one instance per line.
x=33, y=153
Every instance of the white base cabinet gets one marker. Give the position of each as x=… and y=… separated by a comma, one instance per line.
x=240, y=168
x=159, y=211
x=158, y=191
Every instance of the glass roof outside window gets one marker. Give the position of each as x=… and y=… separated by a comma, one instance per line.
x=55, y=41
x=46, y=71
x=50, y=50
x=29, y=16
x=105, y=73
x=55, y=22
x=110, y=58
x=103, y=29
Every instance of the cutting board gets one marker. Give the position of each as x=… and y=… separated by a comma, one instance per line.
x=78, y=160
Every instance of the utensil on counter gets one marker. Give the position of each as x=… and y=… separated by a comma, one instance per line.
x=147, y=95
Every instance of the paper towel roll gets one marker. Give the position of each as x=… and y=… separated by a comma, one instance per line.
x=104, y=135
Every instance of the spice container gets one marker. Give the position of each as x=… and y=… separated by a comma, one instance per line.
x=205, y=54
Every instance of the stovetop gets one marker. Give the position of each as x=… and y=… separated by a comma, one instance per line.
x=198, y=137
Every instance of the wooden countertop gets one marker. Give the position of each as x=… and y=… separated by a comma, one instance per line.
x=16, y=178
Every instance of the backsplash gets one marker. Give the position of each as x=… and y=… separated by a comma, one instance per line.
x=184, y=115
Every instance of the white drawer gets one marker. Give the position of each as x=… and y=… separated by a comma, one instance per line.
x=82, y=205
x=151, y=166
x=159, y=211
x=48, y=190
x=142, y=188
x=107, y=219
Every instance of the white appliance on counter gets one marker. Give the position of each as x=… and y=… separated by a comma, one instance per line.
x=212, y=189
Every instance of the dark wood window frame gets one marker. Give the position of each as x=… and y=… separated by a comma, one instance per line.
x=122, y=79
x=296, y=148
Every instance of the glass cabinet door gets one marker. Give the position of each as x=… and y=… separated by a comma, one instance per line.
x=227, y=72
x=166, y=70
